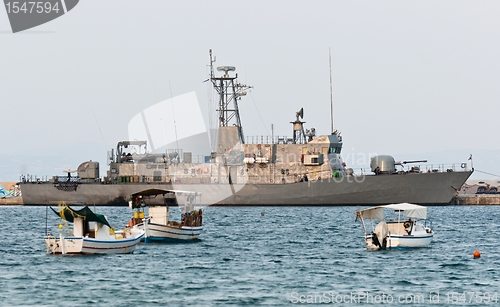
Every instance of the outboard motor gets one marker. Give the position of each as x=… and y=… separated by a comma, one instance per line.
x=384, y=243
x=375, y=240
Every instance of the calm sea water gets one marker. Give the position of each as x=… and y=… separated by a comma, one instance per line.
x=289, y=256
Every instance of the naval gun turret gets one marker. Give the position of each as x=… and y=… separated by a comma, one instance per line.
x=385, y=164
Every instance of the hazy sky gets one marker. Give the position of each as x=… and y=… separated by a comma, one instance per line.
x=415, y=79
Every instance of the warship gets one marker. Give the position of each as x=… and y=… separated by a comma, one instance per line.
x=301, y=170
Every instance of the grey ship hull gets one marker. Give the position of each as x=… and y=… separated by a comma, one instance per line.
x=418, y=188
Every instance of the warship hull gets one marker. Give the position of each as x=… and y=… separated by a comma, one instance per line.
x=419, y=188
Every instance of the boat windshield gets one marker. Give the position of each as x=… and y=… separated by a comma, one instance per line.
x=395, y=216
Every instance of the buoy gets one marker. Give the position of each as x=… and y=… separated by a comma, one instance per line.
x=60, y=226
x=477, y=254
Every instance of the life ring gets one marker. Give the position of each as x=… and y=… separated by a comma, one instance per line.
x=407, y=224
x=198, y=171
x=463, y=165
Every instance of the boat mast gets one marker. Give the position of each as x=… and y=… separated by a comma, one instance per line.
x=229, y=90
x=331, y=90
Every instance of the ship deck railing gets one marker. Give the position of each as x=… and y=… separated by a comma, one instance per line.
x=409, y=168
x=420, y=168
x=268, y=139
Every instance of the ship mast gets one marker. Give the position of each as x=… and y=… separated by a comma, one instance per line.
x=229, y=90
x=331, y=89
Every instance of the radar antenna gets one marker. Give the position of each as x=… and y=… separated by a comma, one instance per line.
x=229, y=90
x=299, y=137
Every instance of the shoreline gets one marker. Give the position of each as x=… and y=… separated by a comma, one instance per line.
x=476, y=200
x=11, y=201
x=460, y=200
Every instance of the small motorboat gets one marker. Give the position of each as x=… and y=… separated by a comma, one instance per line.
x=157, y=224
x=91, y=234
x=396, y=226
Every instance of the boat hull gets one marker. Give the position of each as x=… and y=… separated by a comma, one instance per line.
x=157, y=232
x=410, y=241
x=421, y=188
x=85, y=245
x=394, y=241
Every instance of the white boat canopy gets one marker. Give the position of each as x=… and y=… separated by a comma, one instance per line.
x=409, y=210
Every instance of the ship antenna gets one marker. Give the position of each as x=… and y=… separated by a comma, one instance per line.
x=229, y=90
x=150, y=139
x=212, y=116
x=175, y=124
x=331, y=88
x=100, y=131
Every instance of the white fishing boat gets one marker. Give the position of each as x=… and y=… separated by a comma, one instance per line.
x=91, y=234
x=396, y=226
x=157, y=224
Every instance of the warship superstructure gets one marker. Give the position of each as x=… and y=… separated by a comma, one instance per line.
x=304, y=169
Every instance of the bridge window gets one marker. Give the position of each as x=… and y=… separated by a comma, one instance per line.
x=334, y=149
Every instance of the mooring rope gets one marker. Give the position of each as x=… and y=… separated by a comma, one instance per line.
x=486, y=173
